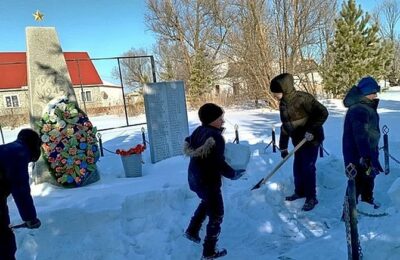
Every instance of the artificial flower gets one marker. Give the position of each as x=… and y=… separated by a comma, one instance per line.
x=69, y=144
x=138, y=149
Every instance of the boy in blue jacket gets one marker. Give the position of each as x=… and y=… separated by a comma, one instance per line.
x=361, y=136
x=14, y=179
x=207, y=165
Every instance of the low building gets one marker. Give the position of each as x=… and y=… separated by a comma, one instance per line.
x=94, y=96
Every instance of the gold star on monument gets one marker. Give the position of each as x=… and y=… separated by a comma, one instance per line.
x=38, y=15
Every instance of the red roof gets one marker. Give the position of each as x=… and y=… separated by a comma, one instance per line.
x=13, y=71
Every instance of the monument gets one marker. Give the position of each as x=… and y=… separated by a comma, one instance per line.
x=69, y=150
x=166, y=117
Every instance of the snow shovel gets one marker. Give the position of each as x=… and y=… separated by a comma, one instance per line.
x=266, y=178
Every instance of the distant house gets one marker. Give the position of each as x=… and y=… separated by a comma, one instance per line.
x=92, y=93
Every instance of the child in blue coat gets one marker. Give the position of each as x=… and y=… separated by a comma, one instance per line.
x=361, y=136
x=206, y=147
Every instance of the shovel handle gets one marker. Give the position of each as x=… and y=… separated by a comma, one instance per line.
x=266, y=178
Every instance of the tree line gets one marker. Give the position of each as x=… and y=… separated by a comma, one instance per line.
x=245, y=43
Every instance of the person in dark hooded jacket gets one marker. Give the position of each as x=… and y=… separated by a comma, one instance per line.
x=14, y=179
x=207, y=165
x=302, y=116
x=361, y=136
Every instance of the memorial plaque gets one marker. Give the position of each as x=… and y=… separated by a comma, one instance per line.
x=166, y=116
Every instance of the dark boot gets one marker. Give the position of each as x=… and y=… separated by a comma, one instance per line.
x=210, y=251
x=295, y=196
x=310, y=204
x=372, y=202
x=368, y=200
x=192, y=232
x=218, y=253
x=193, y=237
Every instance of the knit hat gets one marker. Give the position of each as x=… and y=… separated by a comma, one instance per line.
x=209, y=112
x=32, y=140
x=368, y=85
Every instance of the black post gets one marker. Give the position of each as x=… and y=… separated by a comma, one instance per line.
x=236, y=134
x=273, y=140
x=123, y=92
x=350, y=216
x=385, y=131
x=143, y=138
x=2, y=136
x=153, y=68
x=321, y=150
x=100, y=144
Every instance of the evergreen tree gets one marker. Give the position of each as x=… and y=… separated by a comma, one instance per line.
x=355, y=52
x=200, y=76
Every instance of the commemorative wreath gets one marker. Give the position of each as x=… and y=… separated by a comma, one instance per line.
x=69, y=143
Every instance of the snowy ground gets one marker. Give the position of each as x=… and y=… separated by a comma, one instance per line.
x=143, y=218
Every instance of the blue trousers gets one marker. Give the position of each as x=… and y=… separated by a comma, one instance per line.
x=364, y=185
x=211, y=206
x=304, y=171
x=8, y=245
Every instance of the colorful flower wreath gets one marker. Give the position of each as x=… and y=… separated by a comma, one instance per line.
x=69, y=143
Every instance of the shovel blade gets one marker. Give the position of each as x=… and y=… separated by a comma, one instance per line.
x=258, y=185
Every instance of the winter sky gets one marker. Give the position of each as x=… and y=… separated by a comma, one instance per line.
x=104, y=28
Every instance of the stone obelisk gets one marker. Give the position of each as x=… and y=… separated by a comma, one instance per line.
x=48, y=79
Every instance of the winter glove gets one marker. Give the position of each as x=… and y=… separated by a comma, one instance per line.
x=238, y=174
x=33, y=224
x=309, y=136
x=284, y=153
x=366, y=165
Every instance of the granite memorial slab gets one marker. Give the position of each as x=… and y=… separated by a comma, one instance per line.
x=166, y=116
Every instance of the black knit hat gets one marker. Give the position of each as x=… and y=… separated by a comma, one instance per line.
x=209, y=112
x=31, y=139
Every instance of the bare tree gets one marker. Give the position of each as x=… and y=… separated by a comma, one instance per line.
x=302, y=30
x=250, y=50
x=197, y=30
x=387, y=14
x=171, y=65
x=135, y=70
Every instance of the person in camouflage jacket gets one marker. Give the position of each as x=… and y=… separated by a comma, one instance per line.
x=302, y=116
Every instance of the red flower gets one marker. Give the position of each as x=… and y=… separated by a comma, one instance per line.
x=138, y=149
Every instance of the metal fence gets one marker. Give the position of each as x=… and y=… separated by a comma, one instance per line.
x=118, y=108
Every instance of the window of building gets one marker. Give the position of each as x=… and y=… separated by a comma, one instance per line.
x=87, y=96
x=11, y=101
